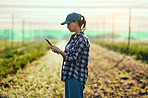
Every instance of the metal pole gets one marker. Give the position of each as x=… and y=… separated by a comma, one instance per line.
x=98, y=29
x=129, y=35
x=23, y=27
x=113, y=27
x=30, y=24
x=5, y=34
x=32, y=32
x=104, y=29
x=12, y=27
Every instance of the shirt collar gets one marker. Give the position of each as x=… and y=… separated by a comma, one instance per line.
x=79, y=34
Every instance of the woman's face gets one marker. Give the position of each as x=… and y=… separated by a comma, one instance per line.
x=71, y=26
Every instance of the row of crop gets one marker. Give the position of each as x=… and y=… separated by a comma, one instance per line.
x=4, y=44
x=137, y=49
x=13, y=59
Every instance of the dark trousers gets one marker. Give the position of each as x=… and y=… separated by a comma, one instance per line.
x=73, y=89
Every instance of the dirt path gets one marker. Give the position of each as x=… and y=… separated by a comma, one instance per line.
x=113, y=75
x=107, y=77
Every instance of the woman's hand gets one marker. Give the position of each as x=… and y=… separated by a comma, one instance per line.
x=55, y=49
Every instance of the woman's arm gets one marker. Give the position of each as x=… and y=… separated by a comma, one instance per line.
x=62, y=53
x=57, y=50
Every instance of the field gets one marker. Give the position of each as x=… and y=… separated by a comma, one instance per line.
x=138, y=49
x=116, y=75
x=41, y=78
x=12, y=59
x=111, y=74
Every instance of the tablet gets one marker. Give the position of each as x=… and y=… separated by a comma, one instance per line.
x=48, y=41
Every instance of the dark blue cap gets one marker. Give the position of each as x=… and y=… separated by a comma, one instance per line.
x=72, y=17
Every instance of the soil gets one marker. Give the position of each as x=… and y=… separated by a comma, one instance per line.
x=113, y=74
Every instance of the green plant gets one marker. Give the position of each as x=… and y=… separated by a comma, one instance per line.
x=137, y=49
x=13, y=59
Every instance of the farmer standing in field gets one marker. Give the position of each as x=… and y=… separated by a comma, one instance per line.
x=75, y=56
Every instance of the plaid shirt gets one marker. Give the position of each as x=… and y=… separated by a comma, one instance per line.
x=75, y=65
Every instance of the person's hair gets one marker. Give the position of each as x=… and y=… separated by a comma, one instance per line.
x=82, y=22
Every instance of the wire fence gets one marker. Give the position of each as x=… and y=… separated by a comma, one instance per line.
x=127, y=24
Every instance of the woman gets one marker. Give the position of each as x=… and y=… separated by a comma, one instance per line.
x=75, y=57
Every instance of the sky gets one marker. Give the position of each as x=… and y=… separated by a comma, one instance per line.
x=48, y=14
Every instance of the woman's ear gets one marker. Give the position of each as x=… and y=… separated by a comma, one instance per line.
x=76, y=22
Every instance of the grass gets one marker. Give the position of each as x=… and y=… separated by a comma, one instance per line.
x=6, y=44
x=12, y=59
x=137, y=49
x=39, y=79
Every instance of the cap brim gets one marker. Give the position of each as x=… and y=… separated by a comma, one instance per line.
x=65, y=22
